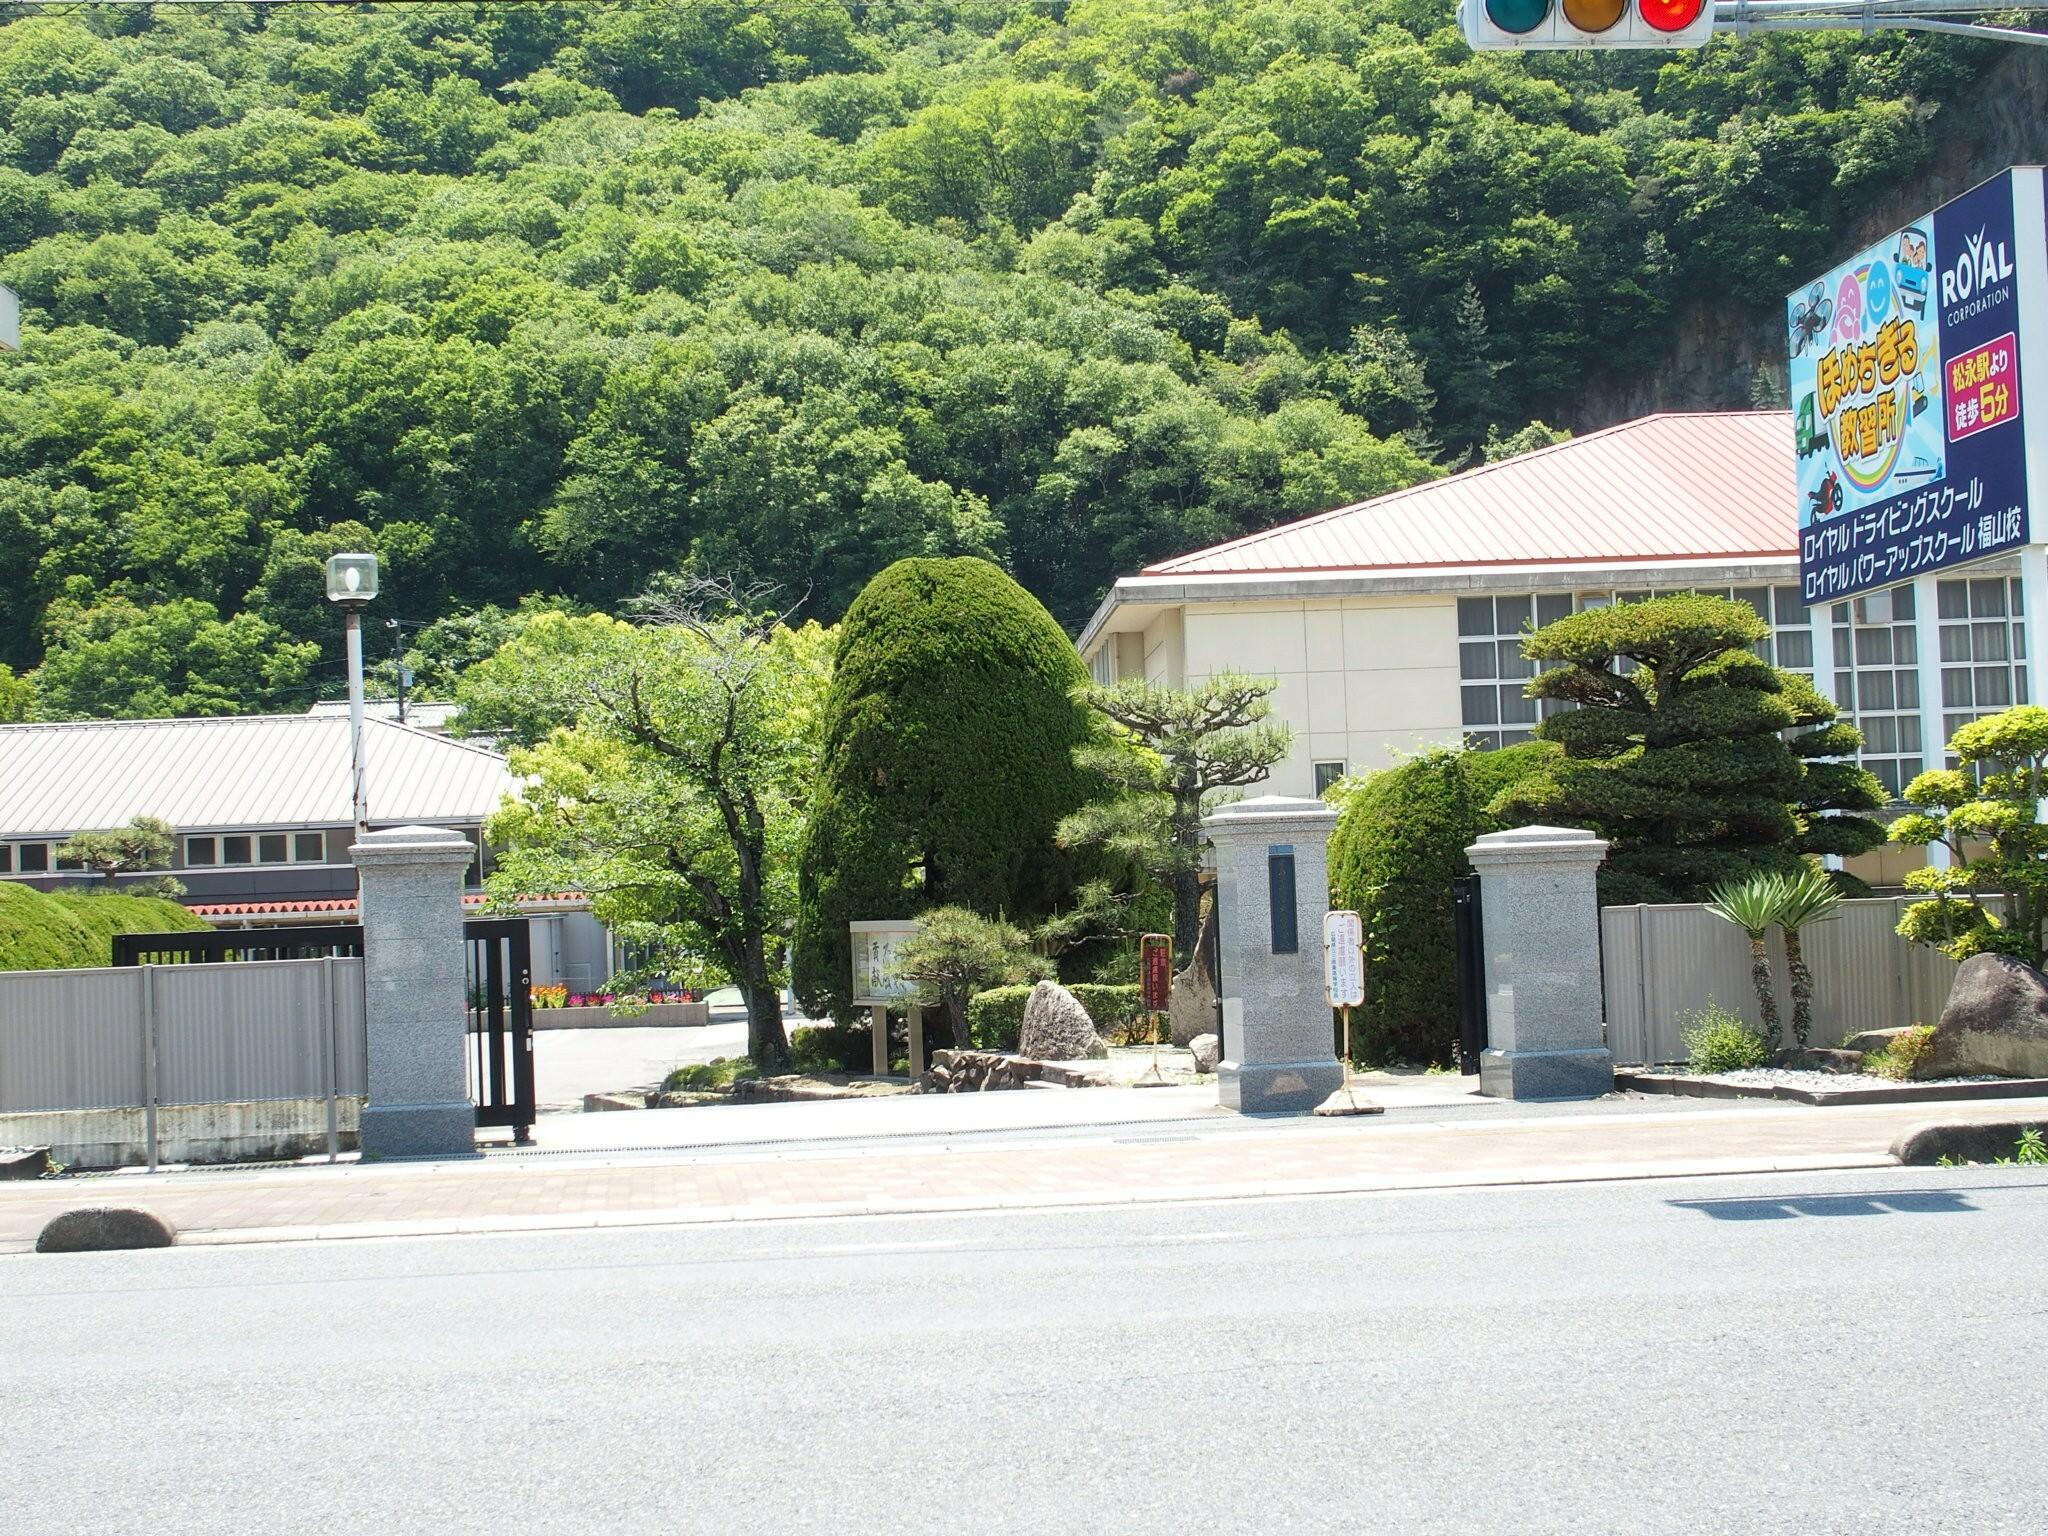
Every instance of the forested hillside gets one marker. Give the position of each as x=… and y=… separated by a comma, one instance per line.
x=540, y=300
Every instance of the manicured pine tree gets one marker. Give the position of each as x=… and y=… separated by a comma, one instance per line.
x=1678, y=751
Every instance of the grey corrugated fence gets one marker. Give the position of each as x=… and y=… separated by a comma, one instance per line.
x=1659, y=962
x=138, y=1037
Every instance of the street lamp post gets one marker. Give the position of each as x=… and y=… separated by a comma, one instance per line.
x=352, y=582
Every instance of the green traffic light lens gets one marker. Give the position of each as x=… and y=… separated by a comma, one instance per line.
x=1517, y=16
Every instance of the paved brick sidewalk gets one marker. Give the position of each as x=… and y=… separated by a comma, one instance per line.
x=512, y=1193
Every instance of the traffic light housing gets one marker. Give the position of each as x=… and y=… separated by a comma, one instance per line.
x=1527, y=24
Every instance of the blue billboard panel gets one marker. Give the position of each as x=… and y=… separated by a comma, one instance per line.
x=1905, y=392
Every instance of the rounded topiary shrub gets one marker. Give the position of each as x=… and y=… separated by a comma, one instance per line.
x=949, y=738
x=1400, y=840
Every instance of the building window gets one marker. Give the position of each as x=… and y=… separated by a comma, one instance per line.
x=237, y=849
x=1877, y=682
x=33, y=858
x=1983, y=650
x=309, y=848
x=271, y=848
x=6, y=859
x=201, y=851
x=1327, y=774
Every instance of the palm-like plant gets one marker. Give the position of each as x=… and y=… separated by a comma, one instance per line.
x=1806, y=897
x=1752, y=905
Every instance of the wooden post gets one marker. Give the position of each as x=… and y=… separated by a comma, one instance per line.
x=878, y=1025
x=916, y=1012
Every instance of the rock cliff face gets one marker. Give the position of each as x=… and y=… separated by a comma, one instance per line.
x=1717, y=350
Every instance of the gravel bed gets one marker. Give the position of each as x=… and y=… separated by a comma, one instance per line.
x=1822, y=1082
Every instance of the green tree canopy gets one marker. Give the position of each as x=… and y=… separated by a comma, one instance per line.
x=948, y=763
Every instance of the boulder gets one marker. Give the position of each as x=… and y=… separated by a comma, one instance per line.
x=1057, y=1027
x=1192, y=1009
x=1872, y=1040
x=99, y=1228
x=1208, y=1052
x=1995, y=1021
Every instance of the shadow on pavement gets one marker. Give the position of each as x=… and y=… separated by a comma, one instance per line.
x=1892, y=1202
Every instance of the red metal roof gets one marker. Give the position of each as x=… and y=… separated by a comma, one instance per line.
x=326, y=906
x=1693, y=486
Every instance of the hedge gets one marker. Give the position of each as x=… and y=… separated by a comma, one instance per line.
x=1400, y=840
x=68, y=930
x=948, y=761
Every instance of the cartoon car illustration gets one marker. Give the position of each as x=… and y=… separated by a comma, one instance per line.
x=1825, y=499
x=1910, y=270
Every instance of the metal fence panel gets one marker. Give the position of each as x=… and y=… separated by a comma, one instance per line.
x=228, y=1033
x=71, y=1040
x=1659, y=962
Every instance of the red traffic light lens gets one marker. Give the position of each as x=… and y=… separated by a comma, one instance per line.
x=1594, y=15
x=1669, y=15
x=1517, y=16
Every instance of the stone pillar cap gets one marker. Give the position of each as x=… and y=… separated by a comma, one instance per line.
x=396, y=843
x=1522, y=842
x=1256, y=813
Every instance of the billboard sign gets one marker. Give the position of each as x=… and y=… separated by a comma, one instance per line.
x=1906, y=394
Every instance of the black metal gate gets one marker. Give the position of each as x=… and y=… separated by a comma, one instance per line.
x=497, y=973
x=498, y=970
x=1471, y=962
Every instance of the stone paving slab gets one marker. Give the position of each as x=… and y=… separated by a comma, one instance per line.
x=549, y=1192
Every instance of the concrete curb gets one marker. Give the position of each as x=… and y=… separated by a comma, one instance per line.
x=1983, y=1141
x=1905, y=1093
x=685, y=1216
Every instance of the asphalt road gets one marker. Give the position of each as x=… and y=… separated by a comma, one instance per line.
x=1812, y=1353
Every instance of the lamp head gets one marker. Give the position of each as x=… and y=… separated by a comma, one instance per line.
x=351, y=579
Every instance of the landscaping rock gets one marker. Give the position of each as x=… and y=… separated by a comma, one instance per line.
x=102, y=1228
x=1192, y=1009
x=1818, y=1059
x=1870, y=1041
x=1057, y=1027
x=1968, y=1141
x=1208, y=1051
x=1996, y=1020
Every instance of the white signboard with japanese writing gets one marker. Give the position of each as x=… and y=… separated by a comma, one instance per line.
x=877, y=954
x=10, y=320
x=1343, y=959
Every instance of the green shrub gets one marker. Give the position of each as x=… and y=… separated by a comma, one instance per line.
x=996, y=1017
x=1718, y=1041
x=1904, y=1056
x=1401, y=837
x=1113, y=1008
x=68, y=930
x=948, y=761
x=822, y=1048
x=710, y=1076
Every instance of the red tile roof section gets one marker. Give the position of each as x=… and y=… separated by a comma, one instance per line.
x=1710, y=485
x=326, y=905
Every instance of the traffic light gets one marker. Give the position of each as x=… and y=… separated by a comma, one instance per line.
x=1508, y=24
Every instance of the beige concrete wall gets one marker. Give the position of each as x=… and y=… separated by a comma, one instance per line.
x=1360, y=679
x=1166, y=651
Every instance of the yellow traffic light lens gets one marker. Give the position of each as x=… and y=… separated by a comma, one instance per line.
x=1594, y=15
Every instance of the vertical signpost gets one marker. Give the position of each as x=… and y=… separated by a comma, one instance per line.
x=1344, y=986
x=1910, y=368
x=1155, y=982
